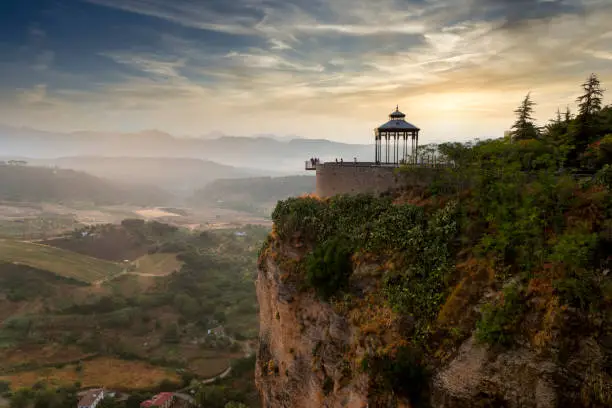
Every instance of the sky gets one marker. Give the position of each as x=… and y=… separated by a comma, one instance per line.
x=320, y=69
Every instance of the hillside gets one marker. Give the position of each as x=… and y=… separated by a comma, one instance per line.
x=60, y=262
x=179, y=175
x=144, y=330
x=127, y=241
x=257, y=195
x=42, y=184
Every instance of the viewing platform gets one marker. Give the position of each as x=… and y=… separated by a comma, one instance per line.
x=396, y=144
x=433, y=164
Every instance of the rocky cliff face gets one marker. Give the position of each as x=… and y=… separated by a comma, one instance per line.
x=301, y=357
x=312, y=353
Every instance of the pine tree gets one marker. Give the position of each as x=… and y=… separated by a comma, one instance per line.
x=589, y=105
x=568, y=114
x=590, y=102
x=524, y=127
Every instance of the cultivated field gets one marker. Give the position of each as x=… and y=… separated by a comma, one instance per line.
x=159, y=264
x=104, y=371
x=11, y=358
x=58, y=261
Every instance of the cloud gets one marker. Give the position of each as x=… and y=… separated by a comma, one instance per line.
x=465, y=61
x=271, y=61
x=149, y=64
x=32, y=96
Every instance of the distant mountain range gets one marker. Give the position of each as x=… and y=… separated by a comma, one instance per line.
x=177, y=175
x=39, y=184
x=268, y=152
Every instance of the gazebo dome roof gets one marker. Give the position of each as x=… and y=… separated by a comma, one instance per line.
x=397, y=123
x=396, y=114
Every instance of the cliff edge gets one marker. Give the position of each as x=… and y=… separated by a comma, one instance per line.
x=377, y=302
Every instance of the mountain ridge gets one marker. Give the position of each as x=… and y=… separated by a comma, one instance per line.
x=261, y=151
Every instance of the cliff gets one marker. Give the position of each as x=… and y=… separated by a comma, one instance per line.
x=413, y=318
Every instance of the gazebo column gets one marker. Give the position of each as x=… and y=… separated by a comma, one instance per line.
x=387, y=148
x=376, y=149
x=395, y=143
x=417, y=142
x=397, y=159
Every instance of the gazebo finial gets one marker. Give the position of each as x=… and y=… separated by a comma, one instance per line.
x=397, y=108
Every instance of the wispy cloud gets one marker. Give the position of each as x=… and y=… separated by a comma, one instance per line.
x=184, y=64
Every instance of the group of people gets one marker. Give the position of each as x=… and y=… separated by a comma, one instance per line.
x=314, y=161
x=342, y=161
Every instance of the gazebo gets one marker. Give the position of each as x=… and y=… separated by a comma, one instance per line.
x=397, y=129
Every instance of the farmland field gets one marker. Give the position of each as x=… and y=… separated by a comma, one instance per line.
x=107, y=371
x=58, y=261
x=159, y=264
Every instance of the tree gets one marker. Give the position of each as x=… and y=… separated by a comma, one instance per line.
x=568, y=114
x=584, y=131
x=524, y=128
x=110, y=402
x=589, y=103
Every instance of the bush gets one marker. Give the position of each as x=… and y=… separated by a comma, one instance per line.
x=329, y=267
x=579, y=291
x=4, y=386
x=499, y=323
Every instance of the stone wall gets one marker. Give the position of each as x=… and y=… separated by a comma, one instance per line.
x=348, y=178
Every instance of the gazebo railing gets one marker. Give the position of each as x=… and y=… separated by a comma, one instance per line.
x=423, y=162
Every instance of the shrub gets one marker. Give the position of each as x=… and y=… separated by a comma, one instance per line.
x=328, y=385
x=578, y=290
x=329, y=267
x=499, y=323
x=5, y=386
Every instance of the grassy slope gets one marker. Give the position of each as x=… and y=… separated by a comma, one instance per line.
x=58, y=261
x=160, y=264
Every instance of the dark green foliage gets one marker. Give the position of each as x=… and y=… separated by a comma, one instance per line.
x=328, y=267
x=4, y=386
x=299, y=215
x=367, y=222
x=421, y=288
x=346, y=224
x=328, y=385
x=500, y=322
x=524, y=128
x=580, y=290
x=109, y=402
x=22, y=283
x=43, y=397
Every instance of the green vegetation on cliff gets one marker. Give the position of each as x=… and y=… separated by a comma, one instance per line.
x=526, y=219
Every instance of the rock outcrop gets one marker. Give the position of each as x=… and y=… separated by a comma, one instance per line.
x=300, y=361
x=311, y=354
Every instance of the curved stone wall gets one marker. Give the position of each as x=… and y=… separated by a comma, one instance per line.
x=333, y=179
